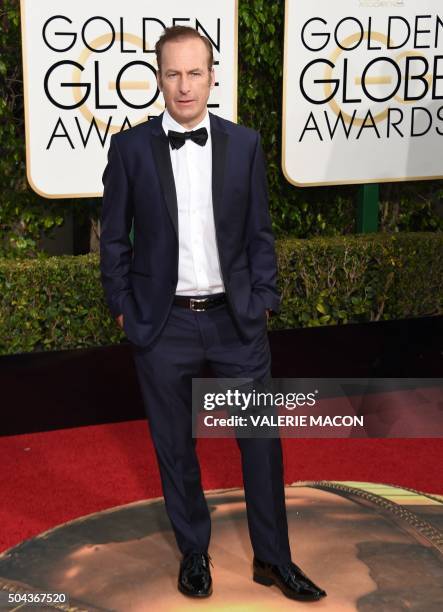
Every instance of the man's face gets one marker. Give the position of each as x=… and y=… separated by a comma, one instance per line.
x=185, y=80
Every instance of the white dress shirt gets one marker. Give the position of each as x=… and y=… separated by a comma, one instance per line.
x=198, y=261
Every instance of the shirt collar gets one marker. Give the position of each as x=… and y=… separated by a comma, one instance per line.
x=169, y=123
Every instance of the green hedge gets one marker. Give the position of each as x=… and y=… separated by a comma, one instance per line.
x=57, y=303
x=53, y=303
x=352, y=279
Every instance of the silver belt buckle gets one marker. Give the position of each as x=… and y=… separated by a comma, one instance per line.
x=194, y=301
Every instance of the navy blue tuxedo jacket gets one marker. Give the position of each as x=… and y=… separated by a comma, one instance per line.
x=140, y=279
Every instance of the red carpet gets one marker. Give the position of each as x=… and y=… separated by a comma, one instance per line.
x=53, y=477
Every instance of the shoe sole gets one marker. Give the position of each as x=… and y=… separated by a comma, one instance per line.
x=194, y=595
x=265, y=581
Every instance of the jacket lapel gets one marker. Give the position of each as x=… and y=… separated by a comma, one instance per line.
x=219, y=146
x=160, y=149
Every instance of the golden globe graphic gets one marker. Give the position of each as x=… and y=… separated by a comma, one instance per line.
x=106, y=117
x=363, y=91
x=90, y=71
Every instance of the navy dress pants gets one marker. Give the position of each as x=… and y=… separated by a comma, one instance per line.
x=165, y=371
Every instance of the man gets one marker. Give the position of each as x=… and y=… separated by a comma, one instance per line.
x=196, y=287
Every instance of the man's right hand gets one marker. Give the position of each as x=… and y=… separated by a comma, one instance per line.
x=119, y=320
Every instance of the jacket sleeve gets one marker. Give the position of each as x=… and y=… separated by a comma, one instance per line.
x=116, y=223
x=260, y=239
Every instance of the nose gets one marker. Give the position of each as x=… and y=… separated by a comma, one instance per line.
x=184, y=85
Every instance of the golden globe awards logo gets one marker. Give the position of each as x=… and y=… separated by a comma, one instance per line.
x=134, y=86
x=88, y=97
x=362, y=91
x=90, y=71
x=406, y=77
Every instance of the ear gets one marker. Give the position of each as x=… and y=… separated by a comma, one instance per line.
x=159, y=80
x=212, y=78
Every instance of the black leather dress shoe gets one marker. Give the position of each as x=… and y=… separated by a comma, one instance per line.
x=289, y=578
x=194, y=578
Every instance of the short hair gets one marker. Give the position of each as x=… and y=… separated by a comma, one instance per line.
x=176, y=33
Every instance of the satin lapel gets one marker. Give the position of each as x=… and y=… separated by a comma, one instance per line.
x=160, y=149
x=219, y=147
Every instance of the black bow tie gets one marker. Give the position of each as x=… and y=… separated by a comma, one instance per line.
x=178, y=139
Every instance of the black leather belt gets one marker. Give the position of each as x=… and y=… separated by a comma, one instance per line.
x=200, y=304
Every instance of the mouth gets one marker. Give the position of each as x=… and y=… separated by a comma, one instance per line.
x=185, y=102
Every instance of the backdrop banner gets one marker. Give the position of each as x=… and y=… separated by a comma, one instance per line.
x=363, y=91
x=89, y=71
